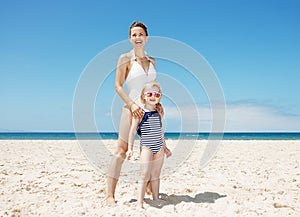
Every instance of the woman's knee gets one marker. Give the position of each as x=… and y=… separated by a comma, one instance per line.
x=120, y=152
x=121, y=149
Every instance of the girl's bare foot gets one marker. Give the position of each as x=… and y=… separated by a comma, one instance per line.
x=140, y=205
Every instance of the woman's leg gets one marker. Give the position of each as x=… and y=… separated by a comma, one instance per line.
x=145, y=158
x=156, y=166
x=114, y=169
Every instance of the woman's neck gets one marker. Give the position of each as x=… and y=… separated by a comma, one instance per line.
x=139, y=52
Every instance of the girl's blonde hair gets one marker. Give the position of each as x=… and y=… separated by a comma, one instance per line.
x=147, y=86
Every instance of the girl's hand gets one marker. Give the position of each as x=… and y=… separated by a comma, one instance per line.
x=129, y=154
x=168, y=152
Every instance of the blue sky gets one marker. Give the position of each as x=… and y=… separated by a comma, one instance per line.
x=253, y=47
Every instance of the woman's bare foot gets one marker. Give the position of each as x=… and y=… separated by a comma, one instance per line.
x=110, y=201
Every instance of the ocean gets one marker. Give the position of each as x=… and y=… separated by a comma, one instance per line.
x=168, y=135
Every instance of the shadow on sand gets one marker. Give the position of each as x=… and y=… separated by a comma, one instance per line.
x=206, y=197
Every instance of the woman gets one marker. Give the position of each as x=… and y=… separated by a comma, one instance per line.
x=136, y=69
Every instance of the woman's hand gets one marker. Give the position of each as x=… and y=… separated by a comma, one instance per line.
x=136, y=111
x=160, y=109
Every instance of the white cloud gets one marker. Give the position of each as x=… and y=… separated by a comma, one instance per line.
x=240, y=117
x=259, y=118
x=187, y=119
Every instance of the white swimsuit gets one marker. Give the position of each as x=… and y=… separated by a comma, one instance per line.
x=135, y=81
x=137, y=78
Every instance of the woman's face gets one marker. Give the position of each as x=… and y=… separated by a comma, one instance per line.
x=138, y=37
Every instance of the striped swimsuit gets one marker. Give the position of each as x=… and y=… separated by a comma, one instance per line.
x=151, y=132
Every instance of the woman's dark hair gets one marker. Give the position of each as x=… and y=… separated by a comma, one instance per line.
x=138, y=24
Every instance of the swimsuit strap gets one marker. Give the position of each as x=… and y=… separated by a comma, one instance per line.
x=133, y=57
x=145, y=118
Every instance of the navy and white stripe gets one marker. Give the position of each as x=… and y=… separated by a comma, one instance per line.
x=151, y=133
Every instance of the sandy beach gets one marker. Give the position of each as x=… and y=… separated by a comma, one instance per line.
x=245, y=178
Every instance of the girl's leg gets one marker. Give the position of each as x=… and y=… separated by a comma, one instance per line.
x=157, y=164
x=146, y=157
x=148, y=188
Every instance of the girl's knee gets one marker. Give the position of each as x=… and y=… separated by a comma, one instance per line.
x=145, y=176
x=155, y=175
x=156, y=170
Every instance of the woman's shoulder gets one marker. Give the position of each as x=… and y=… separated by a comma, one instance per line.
x=152, y=60
x=126, y=56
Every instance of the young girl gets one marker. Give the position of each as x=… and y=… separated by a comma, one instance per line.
x=152, y=142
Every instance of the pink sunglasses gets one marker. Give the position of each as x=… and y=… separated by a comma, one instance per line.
x=155, y=94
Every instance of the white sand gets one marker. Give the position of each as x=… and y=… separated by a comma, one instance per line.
x=245, y=178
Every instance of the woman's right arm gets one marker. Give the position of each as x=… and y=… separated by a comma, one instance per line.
x=121, y=72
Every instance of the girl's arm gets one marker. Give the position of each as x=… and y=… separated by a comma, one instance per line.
x=167, y=151
x=131, y=137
